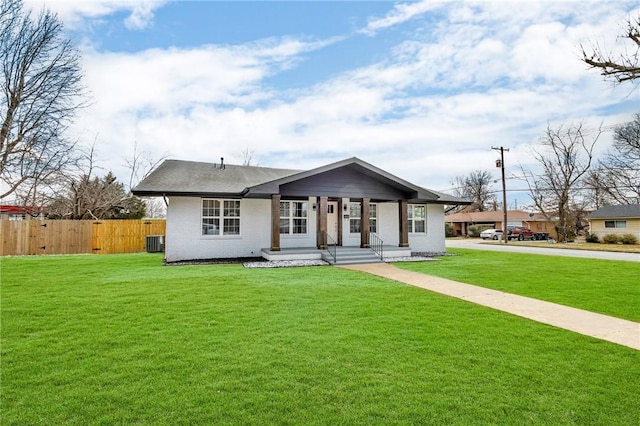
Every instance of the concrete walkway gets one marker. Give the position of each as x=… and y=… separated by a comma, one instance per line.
x=622, y=332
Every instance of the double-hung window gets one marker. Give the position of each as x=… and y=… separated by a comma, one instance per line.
x=373, y=218
x=293, y=217
x=417, y=218
x=615, y=223
x=355, y=216
x=220, y=217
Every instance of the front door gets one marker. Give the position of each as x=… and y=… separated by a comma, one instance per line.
x=332, y=222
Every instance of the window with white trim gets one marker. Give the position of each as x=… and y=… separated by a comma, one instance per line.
x=417, y=218
x=293, y=217
x=355, y=216
x=373, y=218
x=220, y=217
x=615, y=223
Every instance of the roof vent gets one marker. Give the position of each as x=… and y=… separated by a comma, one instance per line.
x=222, y=162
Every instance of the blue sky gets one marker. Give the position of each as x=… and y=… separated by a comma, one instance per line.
x=421, y=89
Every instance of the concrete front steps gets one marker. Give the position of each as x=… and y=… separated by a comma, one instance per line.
x=345, y=255
x=351, y=256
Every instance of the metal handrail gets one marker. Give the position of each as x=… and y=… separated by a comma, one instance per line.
x=376, y=244
x=331, y=244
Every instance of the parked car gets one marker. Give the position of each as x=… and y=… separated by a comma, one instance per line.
x=520, y=233
x=492, y=234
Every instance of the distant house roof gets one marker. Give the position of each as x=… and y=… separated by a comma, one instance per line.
x=19, y=210
x=187, y=178
x=628, y=211
x=493, y=216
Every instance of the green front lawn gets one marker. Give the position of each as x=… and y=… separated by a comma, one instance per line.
x=120, y=339
x=604, y=286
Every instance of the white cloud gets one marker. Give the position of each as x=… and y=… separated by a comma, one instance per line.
x=400, y=13
x=142, y=15
x=74, y=13
x=428, y=110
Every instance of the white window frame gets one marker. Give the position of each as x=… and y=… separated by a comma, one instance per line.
x=617, y=224
x=223, y=215
x=373, y=218
x=411, y=221
x=355, y=219
x=289, y=215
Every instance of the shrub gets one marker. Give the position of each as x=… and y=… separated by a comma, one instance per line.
x=475, y=230
x=592, y=238
x=611, y=239
x=628, y=239
x=448, y=230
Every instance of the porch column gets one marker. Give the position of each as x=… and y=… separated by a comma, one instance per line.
x=340, y=221
x=321, y=214
x=275, y=222
x=404, y=225
x=364, y=223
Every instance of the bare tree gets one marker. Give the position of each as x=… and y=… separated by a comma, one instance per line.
x=565, y=154
x=623, y=67
x=246, y=157
x=80, y=193
x=141, y=164
x=476, y=186
x=96, y=198
x=155, y=208
x=40, y=91
x=620, y=169
x=598, y=186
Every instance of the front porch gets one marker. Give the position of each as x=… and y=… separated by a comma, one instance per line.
x=336, y=254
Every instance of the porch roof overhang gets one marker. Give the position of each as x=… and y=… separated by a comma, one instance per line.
x=395, y=188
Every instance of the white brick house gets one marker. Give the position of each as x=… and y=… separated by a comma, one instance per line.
x=229, y=211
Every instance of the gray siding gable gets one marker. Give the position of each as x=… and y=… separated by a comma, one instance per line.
x=390, y=186
x=344, y=182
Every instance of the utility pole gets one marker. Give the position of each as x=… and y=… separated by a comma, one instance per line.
x=500, y=163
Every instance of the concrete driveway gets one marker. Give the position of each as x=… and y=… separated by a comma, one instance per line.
x=544, y=248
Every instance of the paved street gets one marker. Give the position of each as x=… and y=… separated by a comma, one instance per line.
x=544, y=248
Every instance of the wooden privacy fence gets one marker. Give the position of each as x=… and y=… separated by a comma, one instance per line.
x=30, y=237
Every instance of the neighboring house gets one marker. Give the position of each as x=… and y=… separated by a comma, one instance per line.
x=619, y=220
x=10, y=212
x=229, y=211
x=493, y=219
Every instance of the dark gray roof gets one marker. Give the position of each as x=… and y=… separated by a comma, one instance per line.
x=627, y=211
x=449, y=199
x=174, y=177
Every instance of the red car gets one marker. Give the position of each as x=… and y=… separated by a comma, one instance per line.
x=521, y=233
